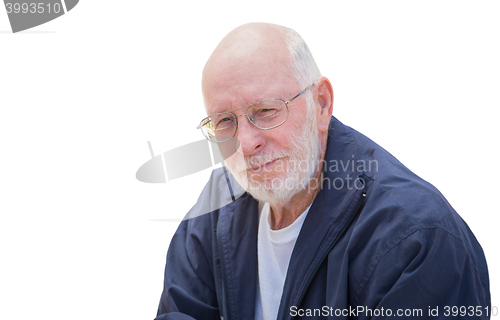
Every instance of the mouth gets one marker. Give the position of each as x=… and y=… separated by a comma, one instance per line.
x=264, y=166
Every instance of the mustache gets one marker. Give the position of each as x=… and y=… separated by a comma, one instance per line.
x=249, y=162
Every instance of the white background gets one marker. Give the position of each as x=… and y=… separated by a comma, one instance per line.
x=81, y=95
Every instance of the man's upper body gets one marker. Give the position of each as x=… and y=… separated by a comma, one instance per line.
x=364, y=236
x=390, y=241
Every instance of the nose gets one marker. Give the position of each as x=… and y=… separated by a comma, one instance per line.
x=251, y=139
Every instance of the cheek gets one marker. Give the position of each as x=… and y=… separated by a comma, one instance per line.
x=282, y=138
x=235, y=161
x=227, y=149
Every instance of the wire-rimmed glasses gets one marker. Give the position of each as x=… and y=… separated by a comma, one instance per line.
x=266, y=114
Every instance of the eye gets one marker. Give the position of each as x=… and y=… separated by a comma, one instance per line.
x=224, y=123
x=265, y=112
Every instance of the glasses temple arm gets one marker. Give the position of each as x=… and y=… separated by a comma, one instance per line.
x=300, y=93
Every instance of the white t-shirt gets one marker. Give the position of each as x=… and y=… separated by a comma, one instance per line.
x=274, y=249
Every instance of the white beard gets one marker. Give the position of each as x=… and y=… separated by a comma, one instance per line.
x=303, y=158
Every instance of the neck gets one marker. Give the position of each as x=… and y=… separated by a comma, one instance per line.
x=284, y=214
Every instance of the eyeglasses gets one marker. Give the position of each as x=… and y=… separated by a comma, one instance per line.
x=266, y=114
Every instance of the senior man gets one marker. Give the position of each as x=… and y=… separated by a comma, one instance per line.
x=331, y=225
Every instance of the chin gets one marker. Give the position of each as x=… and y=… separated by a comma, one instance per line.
x=277, y=190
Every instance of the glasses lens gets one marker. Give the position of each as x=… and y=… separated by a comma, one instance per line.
x=219, y=127
x=268, y=114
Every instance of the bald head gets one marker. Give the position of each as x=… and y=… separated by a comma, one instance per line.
x=245, y=40
x=254, y=46
x=258, y=55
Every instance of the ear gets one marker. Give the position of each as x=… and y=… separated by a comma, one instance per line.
x=324, y=99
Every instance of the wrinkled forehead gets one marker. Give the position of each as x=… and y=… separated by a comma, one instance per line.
x=248, y=65
x=236, y=83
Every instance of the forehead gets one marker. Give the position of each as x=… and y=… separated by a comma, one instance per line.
x=228, y=88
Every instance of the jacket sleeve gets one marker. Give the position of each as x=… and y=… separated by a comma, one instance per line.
x=429, y=274
x=189, y=287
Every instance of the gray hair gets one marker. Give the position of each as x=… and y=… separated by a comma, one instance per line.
x=303, y=66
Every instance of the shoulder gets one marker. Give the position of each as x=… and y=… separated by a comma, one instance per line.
x=399, y=197
x=405, y=214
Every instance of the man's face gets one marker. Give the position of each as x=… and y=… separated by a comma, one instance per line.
x=272, y=165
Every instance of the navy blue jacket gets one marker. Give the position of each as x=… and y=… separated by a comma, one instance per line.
x=377, y=240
